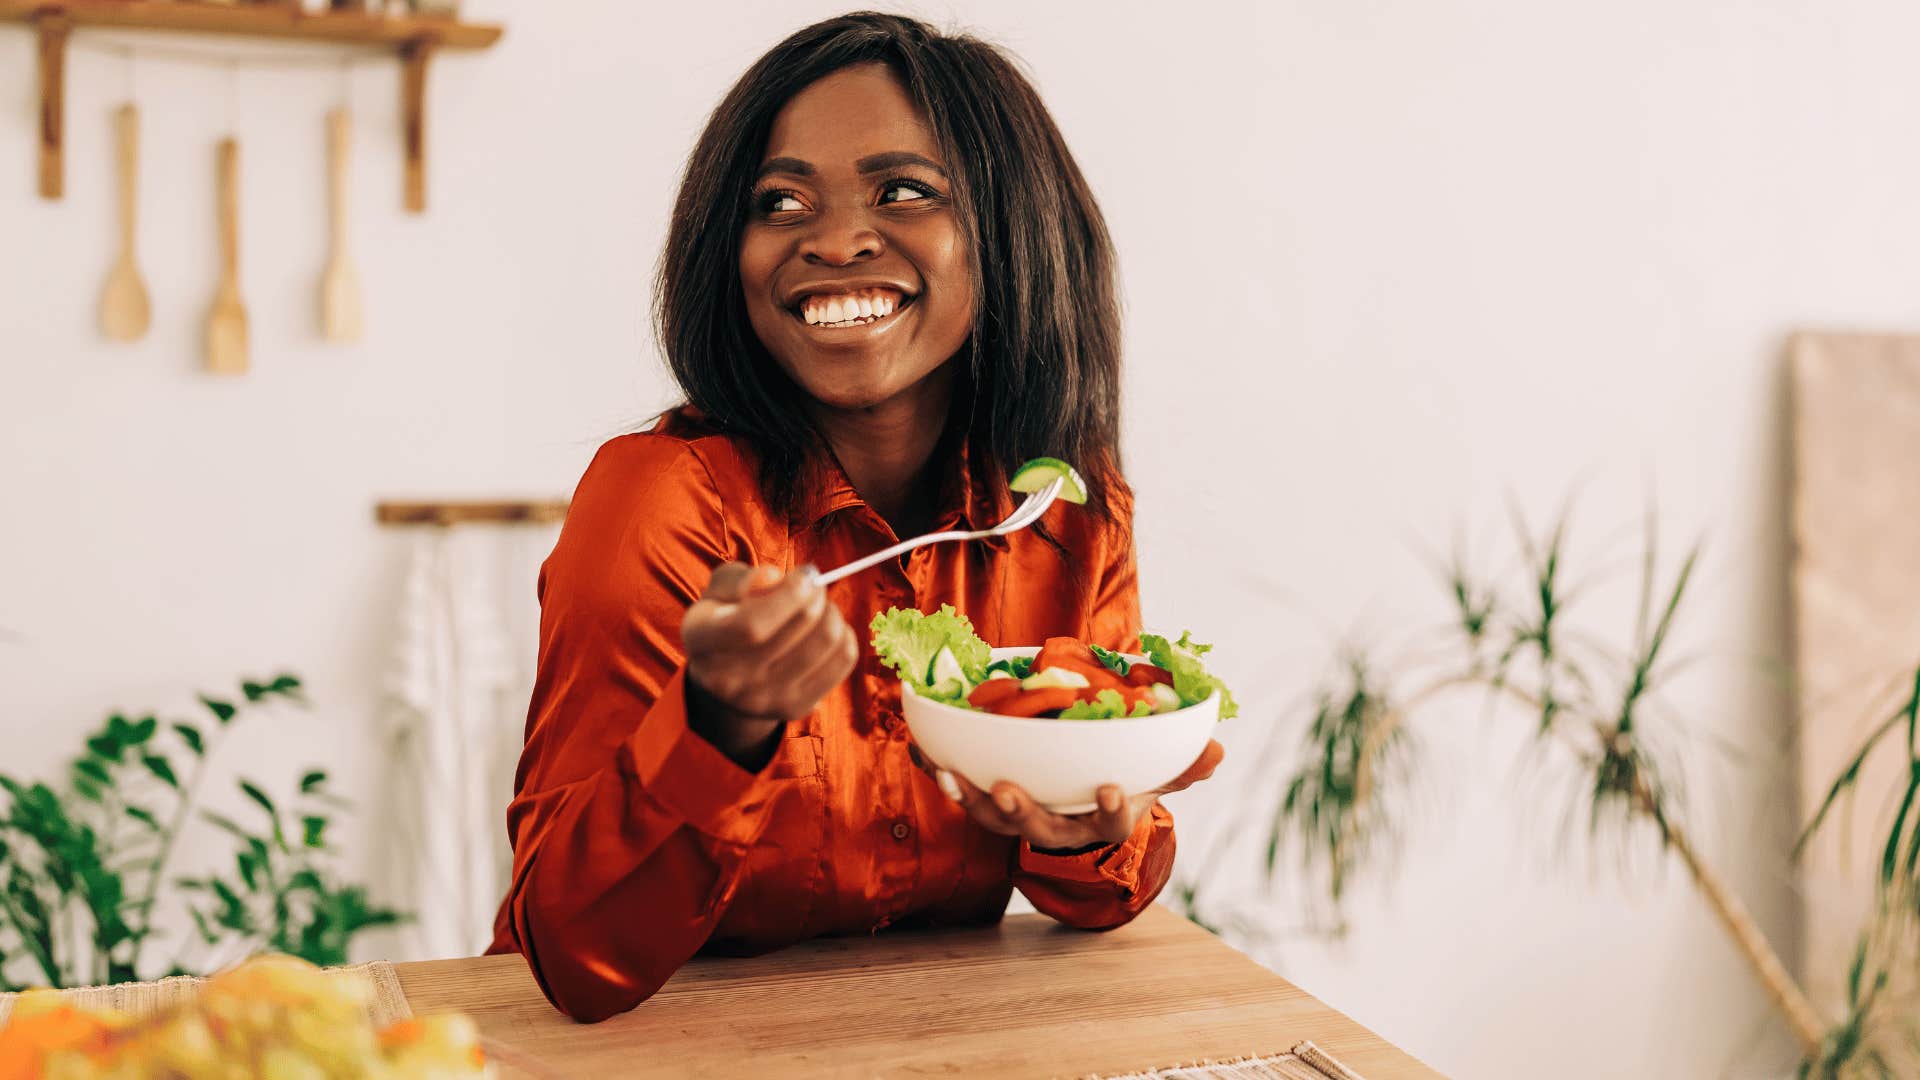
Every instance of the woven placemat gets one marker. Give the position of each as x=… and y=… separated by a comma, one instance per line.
x=1304, y=1062
x=142, y=999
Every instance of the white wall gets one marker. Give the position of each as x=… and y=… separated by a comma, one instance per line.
x=1384, y=263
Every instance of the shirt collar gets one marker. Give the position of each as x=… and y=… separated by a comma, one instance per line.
x=970, y=498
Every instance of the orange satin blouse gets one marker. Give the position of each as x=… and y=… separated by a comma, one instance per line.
x=637, y=844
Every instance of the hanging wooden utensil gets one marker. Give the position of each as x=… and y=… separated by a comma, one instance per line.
x=227, y=324
x=125, y=311
x=340, y=284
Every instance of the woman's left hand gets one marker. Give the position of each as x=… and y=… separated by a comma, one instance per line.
x=1010, y=811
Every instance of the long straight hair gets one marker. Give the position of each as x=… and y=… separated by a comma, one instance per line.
x=1043, y=357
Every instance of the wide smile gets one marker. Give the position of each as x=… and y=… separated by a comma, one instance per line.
x=856, y=312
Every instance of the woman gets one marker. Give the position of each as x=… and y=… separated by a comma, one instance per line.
x=886, y=283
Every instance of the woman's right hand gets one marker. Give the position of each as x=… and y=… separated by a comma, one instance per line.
x=762, y=649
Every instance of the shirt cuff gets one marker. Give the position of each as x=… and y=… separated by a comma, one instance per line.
x=1116, y=864
x=689, y=777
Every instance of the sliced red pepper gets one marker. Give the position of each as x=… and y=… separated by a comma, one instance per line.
x=992, y=692
x=1036, y=702
x=1147, y=675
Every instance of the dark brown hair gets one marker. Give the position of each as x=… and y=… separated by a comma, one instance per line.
x=1043, y=358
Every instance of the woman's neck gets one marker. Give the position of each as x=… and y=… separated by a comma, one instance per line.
x=887, y=449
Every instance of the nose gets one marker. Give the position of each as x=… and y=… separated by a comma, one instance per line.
x=840, y=239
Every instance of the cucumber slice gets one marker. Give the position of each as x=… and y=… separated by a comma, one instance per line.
x=1054, y=677
x=946, y=669
x=1035, y=475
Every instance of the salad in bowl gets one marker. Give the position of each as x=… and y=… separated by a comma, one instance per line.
x=1022, y=714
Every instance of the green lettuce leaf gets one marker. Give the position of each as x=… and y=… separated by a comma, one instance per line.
x=1116, y=663
x=1019, y=666
x=907, y=641
x=1106, y=705
x=1190, y=678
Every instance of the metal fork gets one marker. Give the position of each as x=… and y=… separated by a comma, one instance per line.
x=1025, y=514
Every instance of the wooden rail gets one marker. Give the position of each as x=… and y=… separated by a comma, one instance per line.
x=531, y=512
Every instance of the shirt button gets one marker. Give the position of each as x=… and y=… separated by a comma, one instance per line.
x=902, y=830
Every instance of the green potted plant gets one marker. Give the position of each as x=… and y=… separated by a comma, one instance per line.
x=1591, y=705
x=85, y=861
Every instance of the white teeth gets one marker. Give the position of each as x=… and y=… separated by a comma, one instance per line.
x=848, y=310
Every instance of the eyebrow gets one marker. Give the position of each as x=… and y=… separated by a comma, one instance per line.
x=872, y=163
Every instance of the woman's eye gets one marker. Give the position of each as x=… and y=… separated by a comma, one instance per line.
x=900, y=191
x=780, y=202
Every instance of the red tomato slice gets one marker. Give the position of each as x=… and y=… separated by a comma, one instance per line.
x=1064, y=652
x=1147, y=675
x=1072, y=654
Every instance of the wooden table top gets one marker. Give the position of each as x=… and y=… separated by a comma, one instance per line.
x=1025, y=998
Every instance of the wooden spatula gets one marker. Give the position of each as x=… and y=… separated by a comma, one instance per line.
x=340, y=284
x=124, y=309
x=227, y=324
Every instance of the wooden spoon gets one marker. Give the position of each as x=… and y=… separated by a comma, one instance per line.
x=124, y=309
x=340, y=285
x=227, y=323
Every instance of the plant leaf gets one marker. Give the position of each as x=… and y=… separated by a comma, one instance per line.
x=142, y=730
x=314, y=829
x=221, y=821
x=222, y=711
x=192, y=737
x=233, y=911
x=105, y=746
x=143, y=816
x=161, y=768
x=311, y=781
x=253, y=792
x=1845, y=780
x=206, y=932
x=91, y=768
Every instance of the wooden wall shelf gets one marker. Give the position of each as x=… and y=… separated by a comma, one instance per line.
x=257, y=20
x=531, y=512
x=414, y=40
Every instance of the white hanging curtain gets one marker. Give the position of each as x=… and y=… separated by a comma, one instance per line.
x=455, y=714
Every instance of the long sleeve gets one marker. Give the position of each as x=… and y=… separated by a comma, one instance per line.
x=1108, y=886
x=629, y=830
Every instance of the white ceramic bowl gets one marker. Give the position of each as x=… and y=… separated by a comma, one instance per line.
x=1061, y=763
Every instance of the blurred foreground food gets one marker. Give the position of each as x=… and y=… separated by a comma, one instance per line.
x=273, y=1017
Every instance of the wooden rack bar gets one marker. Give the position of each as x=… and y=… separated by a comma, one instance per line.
x=258, y=20
x=531, y=512
x=413, y=39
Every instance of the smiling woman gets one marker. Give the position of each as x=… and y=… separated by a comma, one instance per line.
x=886, y=284
x=853, y=263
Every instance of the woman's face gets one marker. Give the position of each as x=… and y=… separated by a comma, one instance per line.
x=854, y=268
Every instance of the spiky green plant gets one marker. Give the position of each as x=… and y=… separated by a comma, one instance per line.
x=1340, y=806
